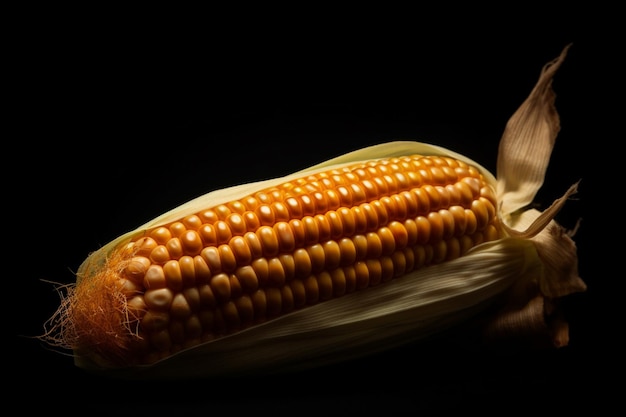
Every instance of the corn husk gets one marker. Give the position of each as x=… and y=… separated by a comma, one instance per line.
x=516, y=278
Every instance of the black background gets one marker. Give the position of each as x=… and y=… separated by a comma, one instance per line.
x=118, y=119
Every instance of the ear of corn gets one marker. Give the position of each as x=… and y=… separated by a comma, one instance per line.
x=365, y=251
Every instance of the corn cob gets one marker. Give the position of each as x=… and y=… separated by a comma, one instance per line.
x=305, y=256
x=283, y=248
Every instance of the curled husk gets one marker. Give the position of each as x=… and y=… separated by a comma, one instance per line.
x=518, y=279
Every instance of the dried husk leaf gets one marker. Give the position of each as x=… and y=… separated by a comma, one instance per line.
x=527, y=143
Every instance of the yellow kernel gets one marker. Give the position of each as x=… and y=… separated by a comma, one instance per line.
x=332, y=199
x=454, y=195
x=299, y=234
x=387, y=240
x=268, y=239
x=207, y=319
x=160, y=254
x=222, y=232
x=236, y=207
x=374, y=245
x=161, y=235
x=155, y=320
x=325, y=285
x=245, y=308
x=161, y=340
x=174, y=248
x=312, y=289
x=399, y=263
x=298, y=293
x=191, y=242
x=440, y=250
x=159, y=299
x=332, y=254
x=145, y=246
x=192, y=295
x=211, y=256
x=136, y=307
x=265, y=215
x=387, y=268
x=222, y=211
x=444, y=196
x=360, y=246
x=321, y=203
x=192, y=222
x=420, y=202
x=206, y=297
x=471, y=222
x=316, y=254
x=419, y=255
x=288, y=301
x=307, y=205
x=360, y=221
x=347, y=221
x=334, y=222
x=259, y=302
x=208, y=235
x=274, y=301
x=349, y=275
x=220, y=285
x=294, y=207
x=311, y=231
x=338, y=281
x=136, y=269
x=482, y=214
x=347, y=251
x=434, y=196
x=491, y=233
x=489, y=194
x=247, y=278
x=465, y=194
x=284, y=235
x=375, y=271
x=362, y=275
x=409, y=259
x=437, y=226
x=261, y=269
x=173, y=275
x=180, y=308
x=302, y=263
x=177, y=229
x=187, y=270
x=459, y=219
x=323, y=227
x=276, y=273
x=345, y=196
x=289, y=265
x=281, y=212
x=251, y=220
x=155, y=277
x=236, y=223
x=447, y=223
x=202, y=271
x=235, y=286
x=193, y=328
x=227, y=258
x=231, y=315
x=453, y=247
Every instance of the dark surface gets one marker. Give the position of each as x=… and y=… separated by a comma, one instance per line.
x=116, y=128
